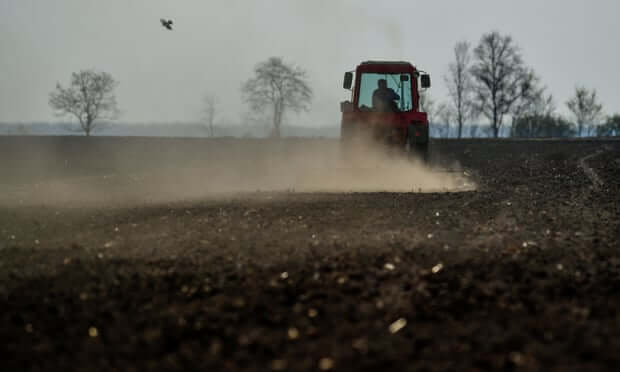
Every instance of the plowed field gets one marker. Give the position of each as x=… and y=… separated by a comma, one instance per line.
x=124, y=254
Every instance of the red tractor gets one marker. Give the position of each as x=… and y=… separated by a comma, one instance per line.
x=385, y=106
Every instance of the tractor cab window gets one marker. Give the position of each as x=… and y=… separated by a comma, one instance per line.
x=385, y=92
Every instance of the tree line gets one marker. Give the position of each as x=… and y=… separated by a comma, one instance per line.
x=490, y=81
x=275, y=89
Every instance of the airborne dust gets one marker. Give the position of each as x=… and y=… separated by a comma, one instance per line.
x=81, y=171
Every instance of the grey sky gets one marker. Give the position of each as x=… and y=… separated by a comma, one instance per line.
x=216, y=43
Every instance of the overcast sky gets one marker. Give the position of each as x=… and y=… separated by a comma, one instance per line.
x=215, y=45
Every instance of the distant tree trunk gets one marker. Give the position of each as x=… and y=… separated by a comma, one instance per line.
x=495, y=124
x=277, y=119
x=86, y=126
x=446, y=113
x=278, y=116
x=209, y=112
x=459, y=84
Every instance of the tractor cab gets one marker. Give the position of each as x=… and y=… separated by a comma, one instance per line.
x=384, y=104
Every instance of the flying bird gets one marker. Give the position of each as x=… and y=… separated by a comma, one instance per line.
x=166, y=23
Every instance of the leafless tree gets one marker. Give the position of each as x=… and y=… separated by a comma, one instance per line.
x=611, y=127
x=543, y=106
x=532, y=99
x=459, y=84
x=280, y=87
x=435, y=111
x=533, y=103
x=446, y=114
x=585, y=108
x=500, y=78
x=209, y=112
x=530, y=112
x=89, y=97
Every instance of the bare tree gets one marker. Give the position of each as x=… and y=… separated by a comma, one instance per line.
x=434, y=112
x=280, y=87
x=459, y=84
x=611, y=127
x=209, y=112
x=532, y=104
x=89, y=97
x=543, y=106
x=446, y=114
x=529, y=111
x=500, y=78
x=532, y=97
x=585, y=108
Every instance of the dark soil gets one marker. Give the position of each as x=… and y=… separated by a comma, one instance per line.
x=522, y=274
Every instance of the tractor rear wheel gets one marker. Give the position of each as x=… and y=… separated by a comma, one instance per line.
x=417, y=143
x=419, y=151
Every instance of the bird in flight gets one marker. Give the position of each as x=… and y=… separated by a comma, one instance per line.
x=166, y=23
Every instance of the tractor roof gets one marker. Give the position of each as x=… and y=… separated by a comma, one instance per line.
x=386, y=63
x=394, y=67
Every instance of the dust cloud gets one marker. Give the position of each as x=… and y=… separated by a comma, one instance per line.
x=125, y=172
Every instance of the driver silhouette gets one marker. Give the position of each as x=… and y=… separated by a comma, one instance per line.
x=383, y=98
